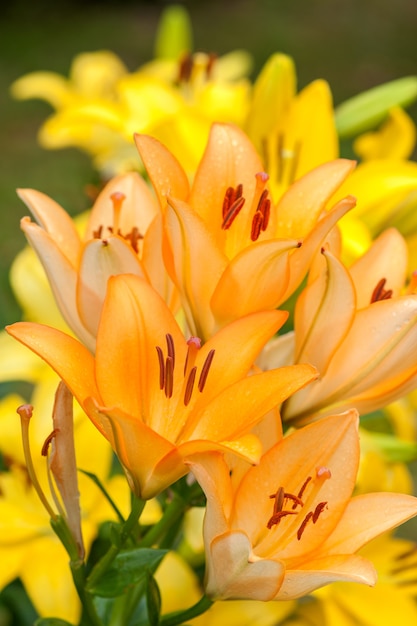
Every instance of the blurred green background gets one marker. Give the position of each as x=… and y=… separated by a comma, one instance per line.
x=354, y=44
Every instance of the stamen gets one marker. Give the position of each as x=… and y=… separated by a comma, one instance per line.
x=318, y=510
x=190, y=385
x=170, y=348
x=169, y=376
x=304, y=485
x=47, y=442
x=304, y=524
x=25, y=412
x=97, y=233
x=256, y=226
x=161, y=367
x=379, y=293
x=205, y=370
x=276, y=518
x=185, y=68
x=194, y=345
x=210, y=64
x=134, y=237
x=279, y=499
x=117, y=198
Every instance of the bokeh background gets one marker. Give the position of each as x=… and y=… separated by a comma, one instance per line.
x=354, y=44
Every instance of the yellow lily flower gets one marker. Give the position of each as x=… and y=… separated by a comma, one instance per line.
x=176, y=97
x=279, y=123
x=159, y=399
x=395, y=139
x=122, y=236
x=289, y=525
x=358, y=329
x=224, y=234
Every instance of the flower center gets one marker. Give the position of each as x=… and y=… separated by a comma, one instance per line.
x=286, y=503
x=261, y=206
x=133, y=237
x=167, y=367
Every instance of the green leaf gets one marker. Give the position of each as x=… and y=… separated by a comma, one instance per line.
x=368, y=109
x=153, y=601
x=51, y=621
x=129, y=568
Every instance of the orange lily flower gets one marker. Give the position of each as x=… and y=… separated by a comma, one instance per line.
x=358, y=328
x=156, y=397
x=121, y=236
x=289, y=525
x=223, y=234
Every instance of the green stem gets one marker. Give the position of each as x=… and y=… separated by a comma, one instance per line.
x=79, y=578
x=180, y=617
x=101, y=567
x=171, y=514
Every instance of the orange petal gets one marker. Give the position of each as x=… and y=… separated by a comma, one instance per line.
x=239, y=407
x=316, y=573
x=100, y=260
x=62, y=276
x=333, y=443
x=229, y=159
x=69, y=358
x=257, y=278
x=166, y=174
x=198, y=265
x=299, y=208
x=233, y=575
x=55, y=221
x=127, y=366
x=367, y=516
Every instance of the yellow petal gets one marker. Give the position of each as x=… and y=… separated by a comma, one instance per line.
x=394, y=140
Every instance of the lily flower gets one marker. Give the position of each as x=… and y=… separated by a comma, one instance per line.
x=226, y=236
x=176, y=97
x=358, y=328
x=289, y=525
x=121, y=236
x=159, y=399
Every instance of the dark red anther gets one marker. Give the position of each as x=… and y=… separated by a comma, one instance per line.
x=266, y=212
x=190, y=385
x=48, y=440
x=233, y=213
x=205, y=370
x=304, y=523
x=276, y=518
x=318, y=510
x=170, y=348
x=186, y=68
x=279, y=497
x=379, y=293
x=161, y=367
x=256, y=226
x=300, y=493
x=169, y=376
x=210, y=64
x=97, y=233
